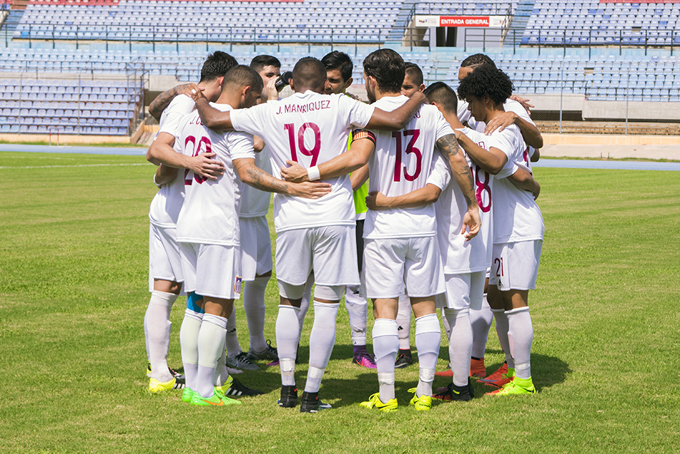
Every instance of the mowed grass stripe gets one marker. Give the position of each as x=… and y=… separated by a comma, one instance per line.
x=73, y=292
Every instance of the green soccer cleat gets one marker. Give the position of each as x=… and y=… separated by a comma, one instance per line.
x=187, y=394
x=422, y=403
x=375, y=402
x=517, y=386
x=216, y=400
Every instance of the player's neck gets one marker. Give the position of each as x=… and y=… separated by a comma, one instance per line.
x=234, y=100
x=379, y=94
x=452, y=119
x=493, y=113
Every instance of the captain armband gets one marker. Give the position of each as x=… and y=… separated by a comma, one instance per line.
x=358, y=134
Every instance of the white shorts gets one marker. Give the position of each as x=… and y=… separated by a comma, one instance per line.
x=164, y=258
x=212, y=269
x=330, y=251
x=514, y=266
x=256, y=247
x=463, y=291
x=391, y=263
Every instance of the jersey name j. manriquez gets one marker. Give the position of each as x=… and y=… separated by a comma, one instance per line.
x=309, y=128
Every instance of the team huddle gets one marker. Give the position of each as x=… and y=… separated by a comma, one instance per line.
x=416, y=201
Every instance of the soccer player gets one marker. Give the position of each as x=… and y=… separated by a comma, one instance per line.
x=165, y=271
x=413, y=82
x=518, y=228
x=401, y=253
x=339, y=69
x=309, y=128
x=208, y=231
x=516, y=113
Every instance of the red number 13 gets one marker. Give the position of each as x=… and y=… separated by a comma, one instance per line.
x=410, y=148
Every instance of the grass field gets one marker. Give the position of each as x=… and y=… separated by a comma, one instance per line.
x=73, y=292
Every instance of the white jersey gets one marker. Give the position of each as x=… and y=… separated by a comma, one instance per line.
x=401, y=163
x=309, y=128
x=210, y=211
x=462, y=256
x=255, y=203
x=510, y=105
x=516, y=214
x=168, y=201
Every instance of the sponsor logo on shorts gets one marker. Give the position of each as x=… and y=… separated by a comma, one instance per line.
x=238, y=282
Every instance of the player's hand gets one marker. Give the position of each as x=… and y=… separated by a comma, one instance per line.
x=524, y=102
x=376, y=201
x=294, y=173
x=193, y=91
x=310, y=189
x=472, y=222
x=536, y=192
x=203, y=165
x=270, y=93
x=501, y=122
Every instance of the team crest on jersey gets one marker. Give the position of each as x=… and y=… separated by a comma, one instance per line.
x=238, y=283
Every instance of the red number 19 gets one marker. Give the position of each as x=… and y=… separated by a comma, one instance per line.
x=314, y=152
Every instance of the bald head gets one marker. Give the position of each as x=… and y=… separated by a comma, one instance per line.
x=309, y=74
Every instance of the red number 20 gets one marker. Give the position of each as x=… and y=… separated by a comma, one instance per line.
x=204, y=146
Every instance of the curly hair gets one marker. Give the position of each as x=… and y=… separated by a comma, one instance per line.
x=486, y=80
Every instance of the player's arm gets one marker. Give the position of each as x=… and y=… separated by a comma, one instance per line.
x=418, y=198
x=450, y=150
x=165, y=175
x=530, y=133
x=359, y=177
x=211, y=117
x=536, y=156
x=398, y=118
x=258, y=144
x=253, y=176
x=161, y=151
x=162, y=101
x=363, y=145
x=524, y=180
x=491, y=161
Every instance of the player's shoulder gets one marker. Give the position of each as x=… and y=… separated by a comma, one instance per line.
x=181, y=104
x=511, y=105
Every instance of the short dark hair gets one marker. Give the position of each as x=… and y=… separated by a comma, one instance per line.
x=477, y=60
x=387, y=68
x=339, y=60
x=414, y=72
x=443, y=95
x=217, y=65
x=308, y=72
x=261, y=61
x=486, y=81
x=243, y=75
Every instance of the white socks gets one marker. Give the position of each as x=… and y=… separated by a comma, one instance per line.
x=357, y=308
x=304, y=305
x=188, y=338
x=404, y=322
x=287, y=340
x=157, y=332
x=385, y=348
x=481, y=323
x=221, y=372
x=460, y=344
x=502, y=331
x=233, y=347
x=520, y=336
x=428, y=339
x=321, y=342
x=253, y=303
x=211, y=339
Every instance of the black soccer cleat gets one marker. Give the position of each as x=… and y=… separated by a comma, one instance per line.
x=312, y=404
x=456, y=393
x=403, y=359
x=288, y=396
x=237, y=389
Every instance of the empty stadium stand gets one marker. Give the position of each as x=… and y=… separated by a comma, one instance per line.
x=67, y=106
